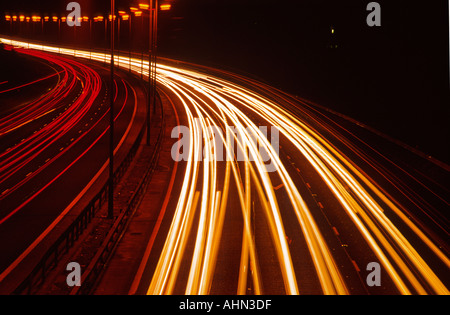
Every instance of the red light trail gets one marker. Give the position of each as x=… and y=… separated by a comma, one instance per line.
x=15, y=160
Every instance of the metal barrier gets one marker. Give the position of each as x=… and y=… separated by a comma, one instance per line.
x=96, y=266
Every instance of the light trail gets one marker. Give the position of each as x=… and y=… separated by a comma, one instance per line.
x=86, y=137
x=66, y=130
x=203, y=200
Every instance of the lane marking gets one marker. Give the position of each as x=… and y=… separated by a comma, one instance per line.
x=22, y=124
x=278, y=187
x=356, y=266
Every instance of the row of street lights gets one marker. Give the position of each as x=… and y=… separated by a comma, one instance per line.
x=54, y=18
x=152, y=8
x=123, y=16
x=143, y=8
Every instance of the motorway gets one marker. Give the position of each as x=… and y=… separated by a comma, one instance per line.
x=309, y=227
x=272, y=194
x=54, y=146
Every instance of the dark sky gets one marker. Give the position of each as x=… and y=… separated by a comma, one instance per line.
x=393, y=77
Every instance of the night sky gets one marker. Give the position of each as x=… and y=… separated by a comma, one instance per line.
x=393, y=77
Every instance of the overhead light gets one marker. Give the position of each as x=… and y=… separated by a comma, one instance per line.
x=165, y=7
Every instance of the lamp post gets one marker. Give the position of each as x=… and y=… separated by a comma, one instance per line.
x=151, y=53
x=130, y=42
x=148, y=7
x=154, y=50
x=55, y=19
x=106, y=32
x=120, y=13
x=85, y=19
x=9, y=19
x=111, y=123
x=125, y=17
x=138, y=13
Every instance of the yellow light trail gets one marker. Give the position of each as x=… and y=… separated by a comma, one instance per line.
x=211, y=101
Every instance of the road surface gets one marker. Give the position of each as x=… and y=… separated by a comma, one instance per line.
x=273, y=194
x=312, y=226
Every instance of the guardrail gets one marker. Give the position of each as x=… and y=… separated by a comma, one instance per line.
x=67, y=239
x=96, y=266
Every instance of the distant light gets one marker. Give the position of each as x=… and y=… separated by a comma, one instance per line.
x=28, y=19
x=63, y=19
x=143, y=6
x=332, y=30
x=110, y=17
x=46, y=18
x=14, y=18
x=21, y=18
x=55, y=19
x=8, y=17
x=98, y=18
x=133, y=9
x=138, y=13
x=85, y=18
x=165, y=7
x=125, y=17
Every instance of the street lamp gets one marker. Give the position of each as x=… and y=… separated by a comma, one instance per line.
x=155, y=47
x=88, y=19
x=138, y=13
x=124, y=16
x=152, y=9
x=8, y=18
x=100, y=18
x=14, y=19
x=127, y=17
x=58, y=20
x=165, y=7
x=111, y=121
x=144, y=6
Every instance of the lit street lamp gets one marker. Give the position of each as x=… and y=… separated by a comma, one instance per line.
x=152, y=9
x=111, y=122
x=138, y=13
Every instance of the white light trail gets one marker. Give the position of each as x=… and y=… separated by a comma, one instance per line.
x=210, y=101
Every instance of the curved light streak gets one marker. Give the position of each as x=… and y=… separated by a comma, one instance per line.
x=211, y=101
